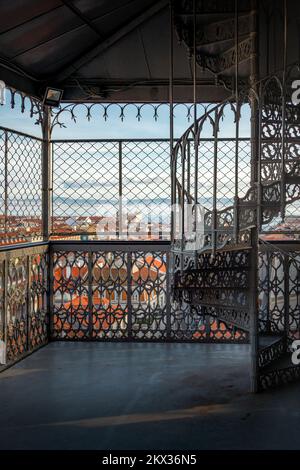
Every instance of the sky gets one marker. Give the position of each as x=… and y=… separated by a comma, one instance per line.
x=114, y=127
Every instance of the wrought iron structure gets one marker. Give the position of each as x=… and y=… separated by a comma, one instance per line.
x=278, y=312
x=222, y=233
x=106, y=111
x=68, y=290
x=24, y=294
x=125, y=180
x=218, y=279
x=120, y=291
x=26, y=102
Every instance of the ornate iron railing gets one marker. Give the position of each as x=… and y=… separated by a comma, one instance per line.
x=211, y=181
x=24, y=301
x=279, y=289
x=233, y=192
x=279, y=318
x=112, y=290
x=69, y=290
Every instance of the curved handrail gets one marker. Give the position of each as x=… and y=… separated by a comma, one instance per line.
x=213, y=117
x=232, y=99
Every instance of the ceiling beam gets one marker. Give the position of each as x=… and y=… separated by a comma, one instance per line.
x=69, y=31
x=16, y=69
x=32, y=18
x=69, y=4
x=109, y=41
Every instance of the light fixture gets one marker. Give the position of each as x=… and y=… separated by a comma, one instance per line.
x=52, y=97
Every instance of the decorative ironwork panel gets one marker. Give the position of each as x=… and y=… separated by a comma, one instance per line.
x=198, y=323
x=110, y=294
x=20, y=187
x=272, y=352
x=149, y=295
x=2, y=312
x=271, y=151
x=227, y=325
x=276, y=292
x=217, y=291
x=17, y=308
x=291, y=152
x=187, y=322
x=226, y=60
x=277, y=377
x=212, y=32
x=279, y=154
x=23, y=301
x=271, y=292
x=63, y=116
x=293, y=294
x=263, y=293
x=278, y=314
x=271, y=130
x=38, y=308
x=70, y=295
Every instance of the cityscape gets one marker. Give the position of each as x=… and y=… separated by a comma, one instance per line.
x=19, y=228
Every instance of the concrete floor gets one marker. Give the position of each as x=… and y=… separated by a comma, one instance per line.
x=142, y=396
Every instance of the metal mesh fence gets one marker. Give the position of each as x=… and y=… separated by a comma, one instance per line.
x=122, y=189
x=85, y=185
x=111, y=189
x=20, y=187
x=225, y=171
x=146, y=178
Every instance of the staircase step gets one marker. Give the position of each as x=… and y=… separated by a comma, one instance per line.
x=271, y=349
x=218, y=47
x=232, y=317
x=280, y=372
x=208, y=15
x=267, y=340
x=215, y=33
x=220, y=63
x=224, y=29
x=204, y=7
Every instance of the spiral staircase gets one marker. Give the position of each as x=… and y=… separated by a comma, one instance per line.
x=215, y=36
x=216, y=267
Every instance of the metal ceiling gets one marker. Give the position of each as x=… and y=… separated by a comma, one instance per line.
x=116, y=50
x=107, y=50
